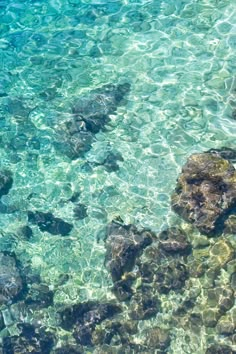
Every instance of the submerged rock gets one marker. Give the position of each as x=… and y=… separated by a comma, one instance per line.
x=31, y=340
x=220, y=253
x=83, y=319
x=144, y=304
x=93, y=112
x=10, y=279
x=170, y=277
x=115, y=331
x=90, y=114
x=225, y=153
x=158, y=338
x=206, y=192
x=69, y=349
x=124, y=243
x=220, y=349
x=6, y=182
x=48, y=222
x=25, y=232
x=174, y=240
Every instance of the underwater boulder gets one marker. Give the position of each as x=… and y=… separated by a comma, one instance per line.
x=10, y=279
x=84, y=317
x=144, y=304
x=171, y=276
x=39, y=296
x=31, y=340
x=220, y=349
x=161, y=269
x=206, y=192
x=90, y=114
x=6, y=182
x=25, y=232
x=174, y=240
x=115, y=331
x=69, y=349
x=48, y=222
x=124, y=243
x=123, y=288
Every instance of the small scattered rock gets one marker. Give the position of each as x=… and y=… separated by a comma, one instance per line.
x=48, y=222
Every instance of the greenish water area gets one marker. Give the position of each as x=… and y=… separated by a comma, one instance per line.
x=102, y=103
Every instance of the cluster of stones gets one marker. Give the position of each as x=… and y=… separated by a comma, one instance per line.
x=144, y=267
x=205, y=196
x=22, y=292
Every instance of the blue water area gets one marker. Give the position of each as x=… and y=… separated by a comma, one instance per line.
x=101, y=105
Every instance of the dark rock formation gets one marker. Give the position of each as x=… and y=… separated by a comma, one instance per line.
x=84, y=318
x=124, y=243
x=206, y=192
x=225, y=153
x=117, y=331
x=39, y=296
x=6, y=182
x=31, y=340
x=93, y=112
x=163, y=271
x=90, y=115
x=170, y=277
x=220, y=349
x=69, y=349
x=144, y=304
x=48, y=222
x=174, y=240
x=25, y=232
x=10, y=279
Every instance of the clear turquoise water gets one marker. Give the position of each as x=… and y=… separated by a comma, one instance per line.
x=178, y=56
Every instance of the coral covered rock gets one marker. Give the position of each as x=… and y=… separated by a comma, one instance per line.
x=206, y=192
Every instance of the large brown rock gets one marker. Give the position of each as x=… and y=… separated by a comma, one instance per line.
x=124, y=243
x=206, y=192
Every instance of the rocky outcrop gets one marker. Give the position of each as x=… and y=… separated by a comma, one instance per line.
x=124, y=243
x=90, y=114
x=84, y=317
x=206, y=192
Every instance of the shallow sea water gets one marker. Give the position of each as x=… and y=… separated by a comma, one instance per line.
x=179, y=58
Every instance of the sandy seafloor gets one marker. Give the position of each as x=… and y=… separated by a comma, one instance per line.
x=179, y=58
